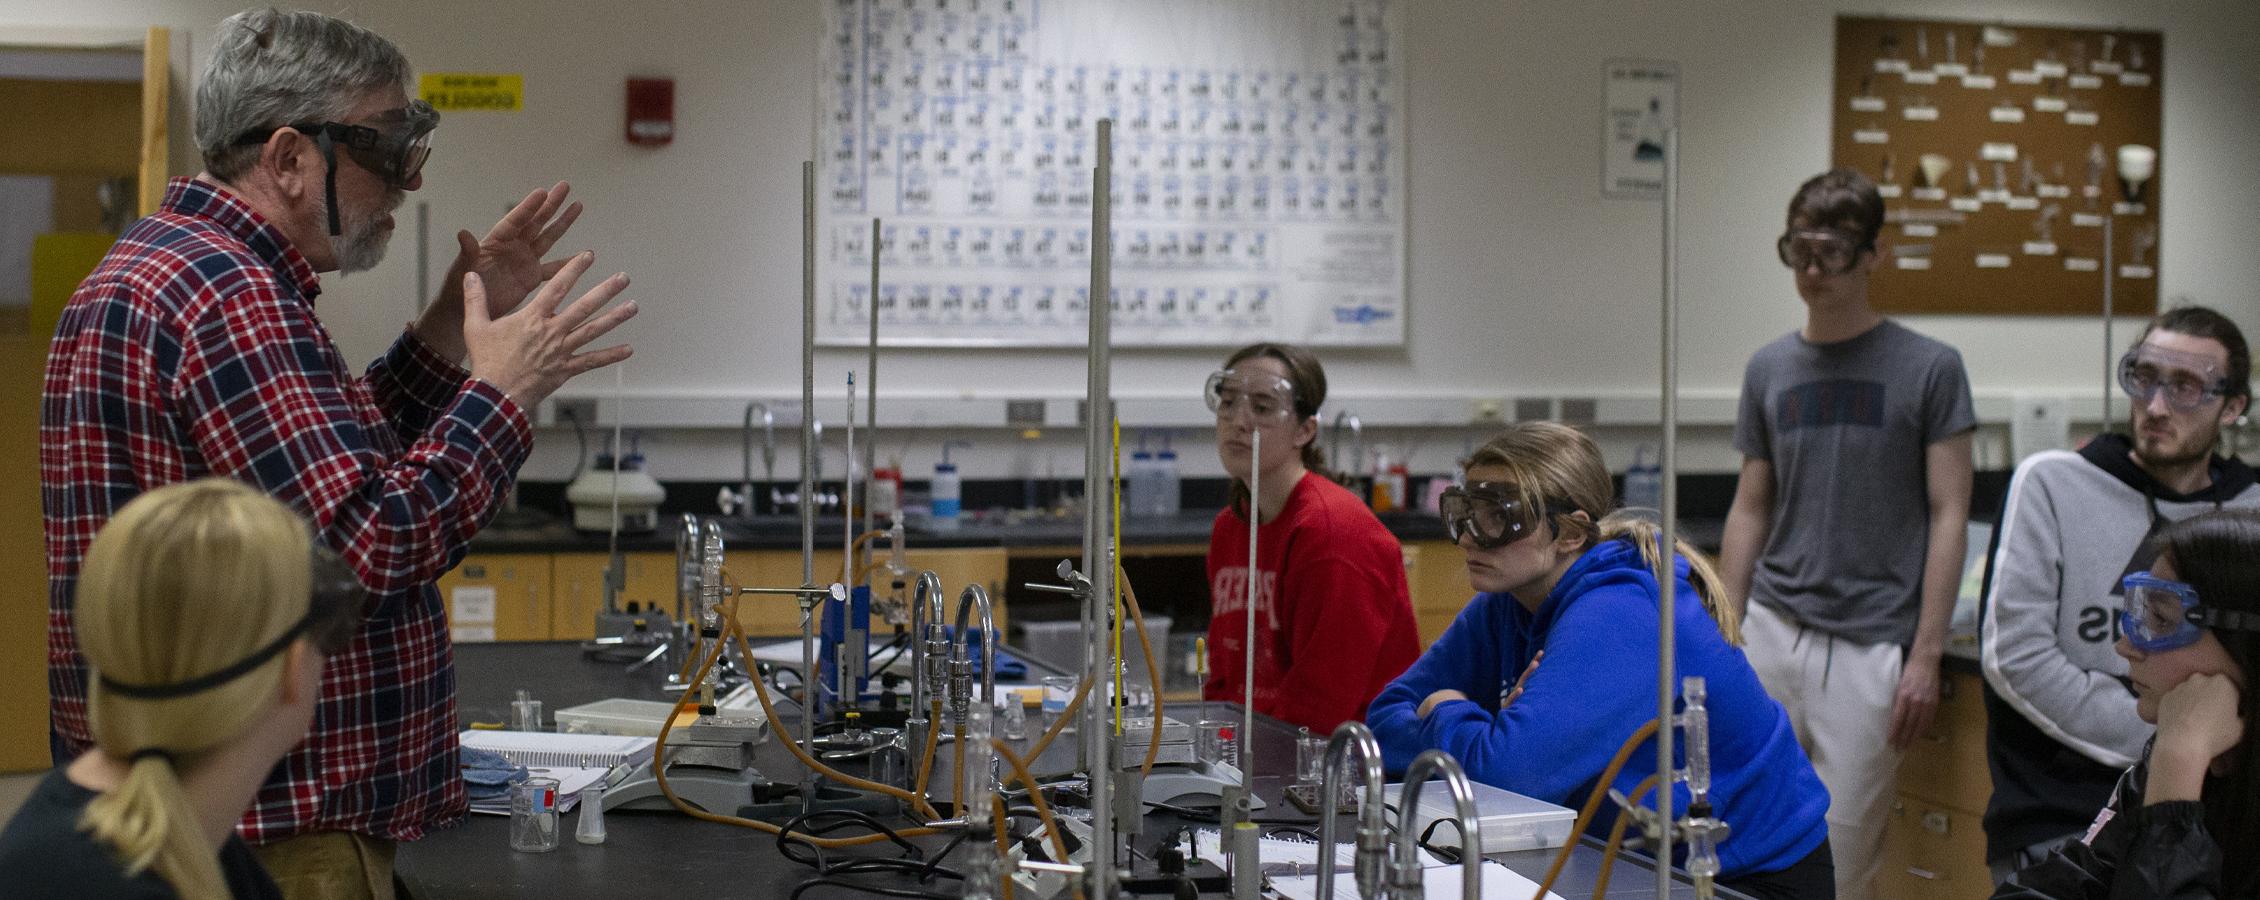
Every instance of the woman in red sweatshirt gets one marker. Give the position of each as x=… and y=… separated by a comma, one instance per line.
x=1334, y=618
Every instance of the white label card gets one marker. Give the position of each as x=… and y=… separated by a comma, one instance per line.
x=2105, y=67
x=2008, y=113
x=1891, y=65
x=1951, y=69
x=2040, y=248
x=1920, y=229
x=2022, y=76
x=1996, y=151
x=473, y=634
x=2128, y=209
x=2047, y=69
x=2082, y=117
x=1867, y=104
x=1912, y=262
x=1979, y=82
x=2136, y=272
x=1966, y=204
x=2024, y=203
x=1922, y=77
x=1993, y=195
x=472, y=603
x=1993, y=260
x=2084, y=82
x=2135, y=79
x=2049, y=104
x=1871, y=136
x=2082, y=264
x=1887, y=191
x=1928, y=193
x=2086, y=220
x=2053, y=190
x=1920, y=113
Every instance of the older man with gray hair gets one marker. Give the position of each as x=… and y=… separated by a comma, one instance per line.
x=194, y=349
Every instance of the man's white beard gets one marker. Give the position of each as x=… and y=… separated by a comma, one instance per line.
x=362, y=245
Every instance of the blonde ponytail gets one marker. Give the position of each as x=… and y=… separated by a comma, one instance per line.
x=1644, y=533
x=186, y=580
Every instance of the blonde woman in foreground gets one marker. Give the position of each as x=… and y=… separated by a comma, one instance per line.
x=206, y=613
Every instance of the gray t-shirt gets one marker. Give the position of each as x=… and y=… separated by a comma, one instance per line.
x=1845, y=426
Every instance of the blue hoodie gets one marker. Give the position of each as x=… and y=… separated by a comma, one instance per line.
x=1596, y=687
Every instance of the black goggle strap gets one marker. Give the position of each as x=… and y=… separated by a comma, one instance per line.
x=332, y=606
x=329, y=176
x=2224, y=619
x=211, y=680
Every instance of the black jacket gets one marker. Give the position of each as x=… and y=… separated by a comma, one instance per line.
x=2137, y=852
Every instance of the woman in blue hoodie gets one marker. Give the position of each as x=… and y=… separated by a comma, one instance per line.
x=1553, y=665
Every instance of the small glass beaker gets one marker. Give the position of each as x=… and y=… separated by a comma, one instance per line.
x=1058, y=691
x=1218, y=740
x=1310, y=757
x=533, y=815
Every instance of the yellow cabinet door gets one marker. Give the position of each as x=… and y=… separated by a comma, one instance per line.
x=1437, y=571
x=579, y=589
x=498, y=597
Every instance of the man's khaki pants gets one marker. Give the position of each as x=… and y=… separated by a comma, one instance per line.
x=330, y=865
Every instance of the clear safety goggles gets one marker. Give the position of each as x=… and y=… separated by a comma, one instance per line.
x=1488, y=513
x=2157, y=614
x=394, y=144
x=1266, y=398
x=2189, y=381
x=1836, y=251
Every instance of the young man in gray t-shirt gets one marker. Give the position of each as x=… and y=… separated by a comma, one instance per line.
x=1848, y=523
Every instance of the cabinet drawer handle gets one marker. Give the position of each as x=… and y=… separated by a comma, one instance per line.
x=474, y=570
x=1924, y=874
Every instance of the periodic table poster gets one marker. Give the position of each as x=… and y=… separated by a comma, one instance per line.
x=1258, y=170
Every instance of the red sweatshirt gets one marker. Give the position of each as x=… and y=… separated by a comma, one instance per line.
x=1335, y=619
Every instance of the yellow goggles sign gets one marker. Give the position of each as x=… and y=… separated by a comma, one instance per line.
x=472, y=92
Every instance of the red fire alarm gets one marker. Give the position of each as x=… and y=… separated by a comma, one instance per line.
x=651, y=111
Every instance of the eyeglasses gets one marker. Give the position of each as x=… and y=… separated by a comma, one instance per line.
x=1268, y=399
x=2188, y=381
x=2157, y=615
x=1489, y=514
x=1836, y=251
x=396, y=151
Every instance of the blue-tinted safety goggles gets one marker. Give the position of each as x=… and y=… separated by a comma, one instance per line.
x=2157, y=614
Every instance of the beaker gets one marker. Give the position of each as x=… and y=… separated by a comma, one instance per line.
x=1217, y=740
x=533, y=815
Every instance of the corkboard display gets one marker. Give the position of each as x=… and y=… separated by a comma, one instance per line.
x=1998, y=149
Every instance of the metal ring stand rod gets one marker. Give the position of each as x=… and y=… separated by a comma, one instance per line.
x=1667, y=661
x=807, y=474
x=1098, y=518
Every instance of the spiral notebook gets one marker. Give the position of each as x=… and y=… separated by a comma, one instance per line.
x=542, y=748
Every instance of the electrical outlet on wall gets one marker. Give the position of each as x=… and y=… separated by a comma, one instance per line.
x=567, y=410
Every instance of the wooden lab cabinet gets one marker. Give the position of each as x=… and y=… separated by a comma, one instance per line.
x=1437, y=572
x=577, y=581
x=498, y=597
x=1934, y=841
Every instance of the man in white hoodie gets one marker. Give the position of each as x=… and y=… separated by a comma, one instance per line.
x=2059, y=709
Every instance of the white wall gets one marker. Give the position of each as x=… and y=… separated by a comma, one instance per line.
x=1523, y=281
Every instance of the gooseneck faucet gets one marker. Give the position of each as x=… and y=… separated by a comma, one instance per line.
x=1404, y=864
x=768, y=453
x=1373, y=839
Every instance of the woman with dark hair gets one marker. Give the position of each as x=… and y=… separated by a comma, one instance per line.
x=1336, y=620
x=2185, y=820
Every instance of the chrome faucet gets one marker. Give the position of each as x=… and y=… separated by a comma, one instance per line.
x=1349, y=470
x=1404, y=864
x=768, y=454
x=1373, y=839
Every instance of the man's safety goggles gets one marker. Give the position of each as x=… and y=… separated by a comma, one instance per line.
x=1836, y=251
x=2188, y=381
x=394, y=145
x=2157, y=615
x=1487, y=513
x=1268, y=399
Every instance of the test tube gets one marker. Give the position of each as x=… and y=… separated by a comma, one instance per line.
x=525, y=712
